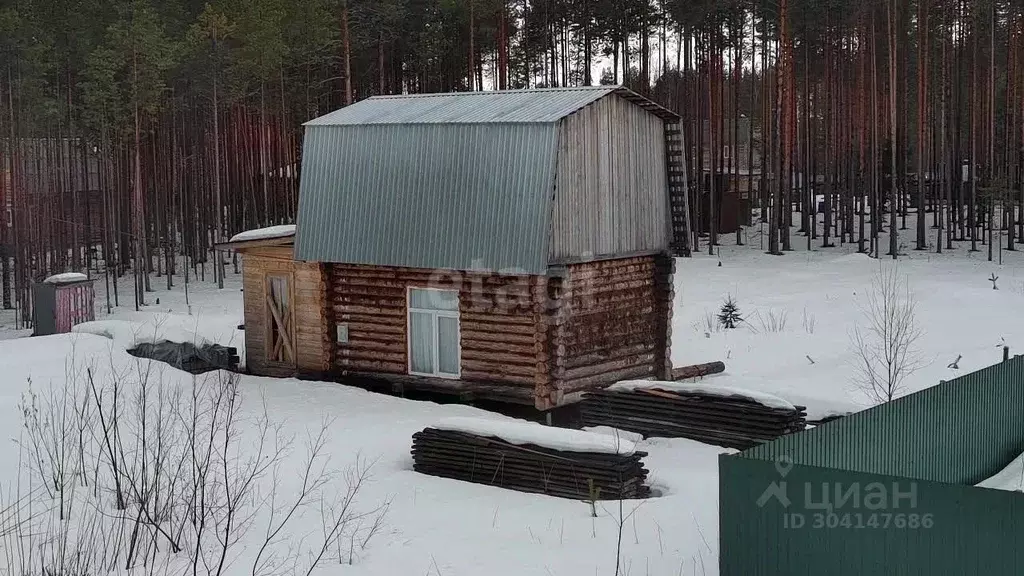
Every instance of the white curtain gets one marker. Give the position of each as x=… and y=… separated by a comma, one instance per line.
x=448, y=345
x=421, y=342
x=434, y=332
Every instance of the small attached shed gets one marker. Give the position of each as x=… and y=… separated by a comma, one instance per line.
x=62, y=301
x=508, y=245
x=283, y=304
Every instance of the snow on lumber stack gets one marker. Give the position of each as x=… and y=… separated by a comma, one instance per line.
x=524, y=432
x=721, y=415
x=66, y=278
x=268, y=233
x=529, y=457
x=761, y=398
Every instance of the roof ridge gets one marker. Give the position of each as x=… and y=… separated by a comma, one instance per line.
x=537, y=105
x=603, y=87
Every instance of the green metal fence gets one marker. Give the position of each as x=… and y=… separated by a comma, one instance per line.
x=885, y=491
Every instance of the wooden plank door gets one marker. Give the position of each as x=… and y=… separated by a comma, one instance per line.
x=280, y=320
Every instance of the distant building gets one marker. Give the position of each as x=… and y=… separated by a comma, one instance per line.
x=735, y=146
x=59, y=191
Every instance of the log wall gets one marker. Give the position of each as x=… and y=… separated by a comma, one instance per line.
x=611, y=321
x=503, y=335
x=308, y=291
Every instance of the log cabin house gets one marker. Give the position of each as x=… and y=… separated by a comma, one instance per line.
x=511, y=246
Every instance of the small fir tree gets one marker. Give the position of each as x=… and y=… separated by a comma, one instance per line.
x=729, y=315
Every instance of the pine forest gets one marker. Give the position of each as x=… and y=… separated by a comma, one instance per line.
x=136, y=134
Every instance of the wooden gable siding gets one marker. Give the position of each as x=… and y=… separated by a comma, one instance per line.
x=308, y=303
x=611, y=189
x=502, y=333
x=612, y=322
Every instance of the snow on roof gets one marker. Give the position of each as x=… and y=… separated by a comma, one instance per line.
x=66, y=278
x=702, y=388
x=523, y=432
x=1010, y=478
x=282, y=231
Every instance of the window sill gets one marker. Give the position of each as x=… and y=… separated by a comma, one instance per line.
x=444, y=376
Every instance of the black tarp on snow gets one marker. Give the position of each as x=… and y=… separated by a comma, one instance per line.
x=189, y=357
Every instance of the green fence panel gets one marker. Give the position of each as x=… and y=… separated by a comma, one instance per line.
x=887, y=525
x=885, y=491
x=961, y=431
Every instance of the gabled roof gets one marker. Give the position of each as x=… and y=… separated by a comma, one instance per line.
x=440, y=181
x=539, y=105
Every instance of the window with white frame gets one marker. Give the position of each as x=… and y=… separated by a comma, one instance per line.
x=434, y=332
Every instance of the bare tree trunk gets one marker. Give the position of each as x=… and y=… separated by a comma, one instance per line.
x=645, y=56
x=972, y=208
x=943, y=169
x=862, y=143
x=218, y=222
x=380, y=63
x=753, y=116
x=922, y=103
x=829, y=137
x=993, y=167
x=1010, y=162
x=138, y=228
x=7, y=234
x=876, y=192
x=780, y=166
x=734, y=160
x=714, y=149
x=503, y=48
x=893, y=240
x=264, y=168
x=787, y=106
x=346, y=54
x=472, y=47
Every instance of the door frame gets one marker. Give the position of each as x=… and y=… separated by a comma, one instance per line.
x=271, y=323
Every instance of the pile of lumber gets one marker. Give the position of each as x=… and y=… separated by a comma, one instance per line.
x=730, y=421
x=528, y=467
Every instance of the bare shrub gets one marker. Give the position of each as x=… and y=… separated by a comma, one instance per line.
x=173, y=474
x=710, y=324
x=54, y=439
x=772, y=321
x=885, y=342
x=808, y=321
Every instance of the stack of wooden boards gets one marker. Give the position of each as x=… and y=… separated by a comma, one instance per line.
x=721, y=418
x=517, y=455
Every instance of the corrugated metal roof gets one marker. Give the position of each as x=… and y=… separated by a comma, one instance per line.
x=540, y=105
x=456, y=196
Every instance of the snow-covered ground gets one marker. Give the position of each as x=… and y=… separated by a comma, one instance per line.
x=1010, y=478
x=795, y=344
x=203, y=314
x=800, y=308
x=433, y=525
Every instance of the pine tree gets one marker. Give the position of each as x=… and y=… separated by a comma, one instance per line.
x=729, y=314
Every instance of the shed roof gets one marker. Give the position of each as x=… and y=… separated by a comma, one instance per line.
x=538, y=105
